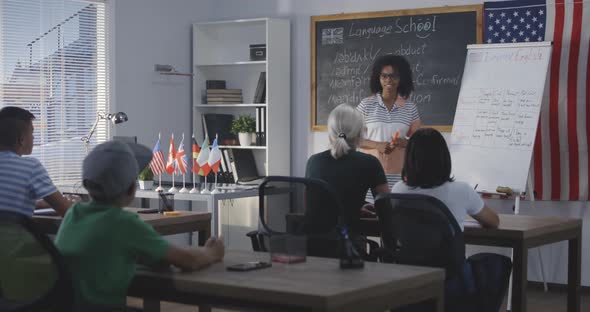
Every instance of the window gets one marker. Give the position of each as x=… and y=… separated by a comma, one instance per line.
x=53, y=62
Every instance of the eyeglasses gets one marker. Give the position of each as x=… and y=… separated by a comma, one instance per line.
x=395, y=77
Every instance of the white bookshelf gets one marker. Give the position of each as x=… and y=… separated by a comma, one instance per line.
x=221, y=52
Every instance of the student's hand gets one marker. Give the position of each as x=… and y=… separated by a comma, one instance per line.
x=72, y=198
x=384, y=147
x=368, y=210
x=215, y=247
x=41, y=204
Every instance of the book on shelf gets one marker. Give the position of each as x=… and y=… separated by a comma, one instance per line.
x=263, y=127
x=231, y=165
x=220, y=125
x=224, y=102
x=229, y=178
x=224, y=98
x=215, y=84
x=259, y=94
x=224, y=92
x=260, y=126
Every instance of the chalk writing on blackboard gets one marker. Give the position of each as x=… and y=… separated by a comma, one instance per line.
x=433, y=40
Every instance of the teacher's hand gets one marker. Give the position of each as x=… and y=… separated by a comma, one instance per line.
x=384, y=147
x=400, y=142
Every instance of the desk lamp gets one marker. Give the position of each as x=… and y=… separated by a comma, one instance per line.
x=115, y=118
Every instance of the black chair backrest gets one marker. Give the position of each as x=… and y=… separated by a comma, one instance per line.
x=33, y=275
x=313, y=198
x=299, y=207
x=420, y=230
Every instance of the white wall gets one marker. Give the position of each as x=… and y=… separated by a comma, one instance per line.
x=149, y=32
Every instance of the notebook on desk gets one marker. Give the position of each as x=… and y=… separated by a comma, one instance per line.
x=45, y=212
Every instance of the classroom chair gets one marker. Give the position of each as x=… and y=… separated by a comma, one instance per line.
x=33, y=275
x=299, y=213
x=420, y=230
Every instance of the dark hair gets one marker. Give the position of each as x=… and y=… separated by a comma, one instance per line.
x=401, y=65
x=14, y=121
x=428, y=161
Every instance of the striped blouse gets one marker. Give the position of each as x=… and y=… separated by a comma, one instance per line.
x=382, y=123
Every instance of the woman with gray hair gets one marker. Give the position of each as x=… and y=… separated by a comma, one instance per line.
x=350, y=172
x=345, y=130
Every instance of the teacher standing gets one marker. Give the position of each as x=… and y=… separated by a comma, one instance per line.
x=388, y=110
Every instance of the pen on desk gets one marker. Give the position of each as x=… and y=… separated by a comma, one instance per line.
x=475, y=186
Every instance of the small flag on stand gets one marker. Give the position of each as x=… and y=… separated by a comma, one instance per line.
x=157, y=164
x=171, y=164
x=181, y=159
x=203, y=158
x=214, y=157
x=196, y=151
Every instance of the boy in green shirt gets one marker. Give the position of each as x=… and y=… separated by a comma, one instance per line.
x=102, y=243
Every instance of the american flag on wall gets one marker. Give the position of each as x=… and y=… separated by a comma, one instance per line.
x=560, y=155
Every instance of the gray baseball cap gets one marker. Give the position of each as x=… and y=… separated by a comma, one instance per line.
x=111, y=167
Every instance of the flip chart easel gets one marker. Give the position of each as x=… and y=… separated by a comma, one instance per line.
x=497, y=116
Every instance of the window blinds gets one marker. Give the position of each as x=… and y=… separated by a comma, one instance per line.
x=53, y=62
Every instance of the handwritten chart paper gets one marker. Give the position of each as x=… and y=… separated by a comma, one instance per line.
x=497, y=114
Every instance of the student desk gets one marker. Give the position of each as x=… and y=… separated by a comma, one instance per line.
x=315, y=285
x=186, y=222
x=520, y=233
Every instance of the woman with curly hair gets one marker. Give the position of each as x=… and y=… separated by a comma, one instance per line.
x=388, y=111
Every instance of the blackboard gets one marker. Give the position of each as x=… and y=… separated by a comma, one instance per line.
x=434, y=41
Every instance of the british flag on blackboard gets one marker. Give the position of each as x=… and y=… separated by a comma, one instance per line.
x=332, y=36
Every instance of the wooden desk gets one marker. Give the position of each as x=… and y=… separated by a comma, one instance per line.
x=521, y=233
x=316, y=285
x=186, y=222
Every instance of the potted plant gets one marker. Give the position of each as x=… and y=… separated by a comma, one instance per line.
x=244, y=126
x=146, y=179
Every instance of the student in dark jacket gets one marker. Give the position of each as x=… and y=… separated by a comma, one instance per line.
x=350, y=172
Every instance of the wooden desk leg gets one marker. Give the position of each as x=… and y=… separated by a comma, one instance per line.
x=151, y=305
x=519, y=278
x=574, y=273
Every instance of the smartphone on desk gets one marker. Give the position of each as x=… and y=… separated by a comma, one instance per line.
x=249, y=266
x=148, y=210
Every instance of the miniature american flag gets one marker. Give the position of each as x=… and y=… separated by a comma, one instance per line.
x=157, y=164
